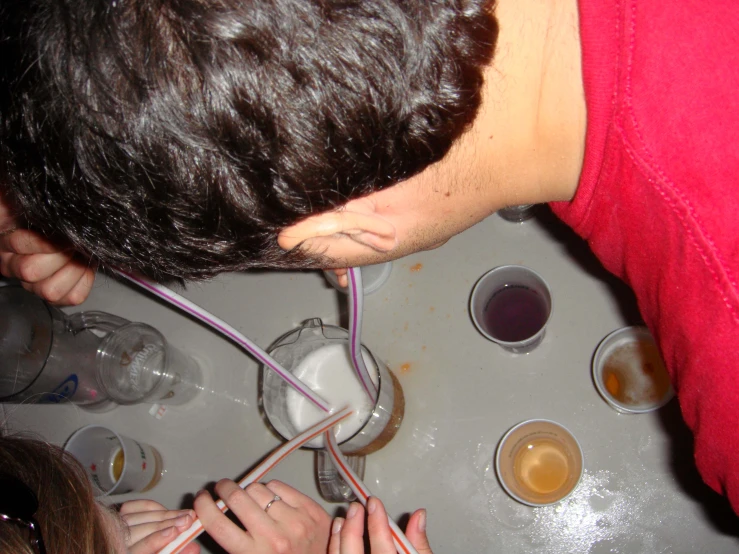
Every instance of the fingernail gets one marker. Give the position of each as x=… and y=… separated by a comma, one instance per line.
x=372, y=505
x=168, y=532
x=422, y=521
x=352, y=510
x=183, y=521
x=337, y=525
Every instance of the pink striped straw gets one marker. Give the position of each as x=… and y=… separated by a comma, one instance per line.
x=402, y=544
x=224, y=328
x=196, y=529
x=356, y=300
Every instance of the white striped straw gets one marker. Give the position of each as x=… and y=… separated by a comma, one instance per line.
x=356, y=300
x=224, y=328
x=196, y=529
x=402, y=544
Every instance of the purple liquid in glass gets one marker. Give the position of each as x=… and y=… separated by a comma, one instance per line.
x=515, y=313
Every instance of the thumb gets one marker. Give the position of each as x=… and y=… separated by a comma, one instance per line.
x=416, y=532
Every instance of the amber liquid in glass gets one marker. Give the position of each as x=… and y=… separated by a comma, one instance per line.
x=119, y=461
x=542, y=466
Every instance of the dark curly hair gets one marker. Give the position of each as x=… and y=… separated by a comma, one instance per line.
x=178, y=137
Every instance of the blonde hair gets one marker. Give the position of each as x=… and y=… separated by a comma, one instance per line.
x=68, y=515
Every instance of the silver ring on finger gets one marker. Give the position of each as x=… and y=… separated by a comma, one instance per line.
x=269, y=504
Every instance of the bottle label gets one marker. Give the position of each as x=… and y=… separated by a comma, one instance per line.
x=65, y=391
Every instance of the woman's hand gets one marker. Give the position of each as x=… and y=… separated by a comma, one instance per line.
x=294, y=524
x=151, y=526
x=347, y=536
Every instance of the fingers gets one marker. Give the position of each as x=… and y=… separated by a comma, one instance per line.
x=248, y=505
x=139, y=518
x=150, y=526
x=45, y=269
x=416, y=532
x=60, y=284
x=297, y=499
x=334, y=544
x=33, y=268
x=262, y=496
x=140, y=533
x=23, y=241
x=70, y=285
x=142, y=505
x=351, y=535
x=219, y=527
x=342, y=277
x=79, y=293
x=153, y=542
x=381, y=539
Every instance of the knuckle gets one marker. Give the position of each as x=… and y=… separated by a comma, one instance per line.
x=253, y=489
x=16, y=240
x=321, y=517
x=88, y=278
x=27, y=269
x=163, y=524
x=50, y=292
x=234, y=496
x=218, y=527
x=300, y=530
x=154, y=542
x=281, y=545
x=75, y=298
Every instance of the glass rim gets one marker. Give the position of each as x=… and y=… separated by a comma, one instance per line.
x=473, y=303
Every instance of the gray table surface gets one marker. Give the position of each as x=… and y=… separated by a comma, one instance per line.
x=640, y=492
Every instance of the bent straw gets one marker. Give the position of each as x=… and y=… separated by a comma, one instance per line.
x=219, y=325
x=196, y=529
x=402, y=544
x=356, y=300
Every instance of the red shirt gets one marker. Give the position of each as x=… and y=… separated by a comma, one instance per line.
x=658, y=200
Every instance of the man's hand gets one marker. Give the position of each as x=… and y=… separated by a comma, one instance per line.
x=53, y=273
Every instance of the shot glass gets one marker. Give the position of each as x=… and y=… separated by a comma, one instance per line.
x=138, y=365
x=331, y=485
x=518, y=214
x=629, y=373
x=539, y=462
x=511, y=305
x=318, y=354
x=373, y=277
x=116, y=464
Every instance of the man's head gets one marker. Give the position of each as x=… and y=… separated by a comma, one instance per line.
x=179, y=138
